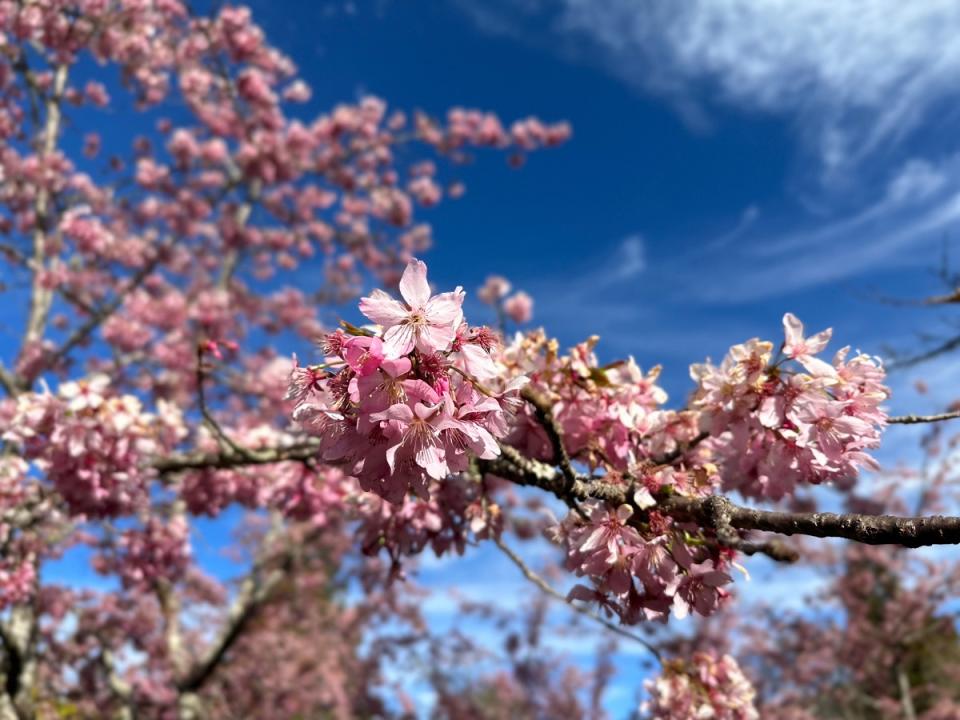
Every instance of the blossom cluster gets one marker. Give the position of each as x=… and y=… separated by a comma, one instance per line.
x=642, y=571
x=92, y=445
x=790, y=418
x=157, y=551
x=610, y=416
x=17, y=581
x=405, y=404
x=496, y=293
x=707, y=687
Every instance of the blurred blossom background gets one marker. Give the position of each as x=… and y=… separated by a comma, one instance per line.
x=731, y=160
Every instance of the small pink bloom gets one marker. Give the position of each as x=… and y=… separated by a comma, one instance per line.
x=426, y=323
x=519, y=307
x=797, y=347
x=364, y=354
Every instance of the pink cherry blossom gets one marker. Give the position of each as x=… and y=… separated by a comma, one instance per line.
x=519, y=307
x=708, y=687
x=427, y=323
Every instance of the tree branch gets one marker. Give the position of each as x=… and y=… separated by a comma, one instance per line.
x=867, y=529
x=255, y=590
x=918, y=419
x=549, y=590
x=708, y=511
x=181, y=462
x=41, y=296
x=544, y=415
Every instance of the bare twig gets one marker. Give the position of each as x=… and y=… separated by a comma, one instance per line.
x=552, y=592
x=918, y=419
x=945, y=347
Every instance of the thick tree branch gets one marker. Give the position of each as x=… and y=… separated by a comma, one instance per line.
x=721, y=514
x=255, y=590
x=867, y=529
x=40, y=295
x=181, y=462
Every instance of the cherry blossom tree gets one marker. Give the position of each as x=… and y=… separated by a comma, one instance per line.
x=152, y=385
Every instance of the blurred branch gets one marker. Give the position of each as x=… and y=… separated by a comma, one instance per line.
x=918, y=419
x=549, y=590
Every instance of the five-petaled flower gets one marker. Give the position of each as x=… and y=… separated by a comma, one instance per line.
x=426, y=323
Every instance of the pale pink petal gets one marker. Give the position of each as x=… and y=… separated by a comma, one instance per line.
x=401, y=413
x=435, y=338
x=383, y=309
x=398, y=341
x=816, y=343
x=413, y=285
x=431, y=460
x=445, y=308
x=425, y=412
x=643, y=498
x=392, y=457
x=594, y=540
x=793, y=331
x=396, y=367
x=771, y=411
x=485, y=445
x=418, y=391
x=478, y=363
x=817, y=367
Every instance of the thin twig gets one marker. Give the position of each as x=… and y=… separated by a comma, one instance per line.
x=556, y=594
x=918, y=419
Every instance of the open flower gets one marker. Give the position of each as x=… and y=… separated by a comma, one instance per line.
x=426, y=323
x=802, y=349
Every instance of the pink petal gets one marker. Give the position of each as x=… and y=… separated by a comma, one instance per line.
x=420, y=392
x=792, y=330
x=413, y=284
x=397, y=367
x=478, y=363
x=435, y=338
x=445, y=308
x=399, y=412
x=425, y=412
x=398, y=341
x=643, y=498
x=817, y=367
x=430, y=459
x=383, y=309
x=816, y=343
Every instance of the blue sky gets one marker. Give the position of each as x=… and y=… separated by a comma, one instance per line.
x=731, y=160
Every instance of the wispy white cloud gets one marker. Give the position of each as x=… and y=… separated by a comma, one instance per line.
x=856, y=76
x=632, y=259
x=748, y=218
x=918, y=204
x=586, y=290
